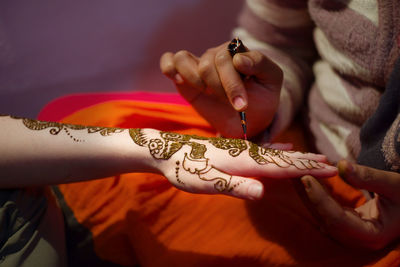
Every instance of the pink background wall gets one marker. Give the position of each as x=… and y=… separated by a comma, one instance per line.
x=51, y=48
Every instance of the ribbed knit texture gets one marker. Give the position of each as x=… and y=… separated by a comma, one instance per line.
x=336, y=56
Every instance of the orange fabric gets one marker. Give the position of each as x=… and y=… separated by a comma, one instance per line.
x=141, y=218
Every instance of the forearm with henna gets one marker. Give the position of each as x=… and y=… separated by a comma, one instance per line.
x=40, y=153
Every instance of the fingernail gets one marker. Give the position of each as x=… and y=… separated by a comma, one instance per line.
x=266, y=145
x=345, y=169
x=245, y=61
x=306, y=182
x=255, y=191
x=330, y=167
x=238, y=102
x=178, y=79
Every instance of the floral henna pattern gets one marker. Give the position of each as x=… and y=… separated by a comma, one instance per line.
x=280, y=158
x=198, y=164
x=56, y=128
x=195, y=162
x=169, y=143
x=207, y=172
x=234, y=146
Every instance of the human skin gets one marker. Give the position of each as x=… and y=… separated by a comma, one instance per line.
x=373, y=225
x=37, y=153
x=212, y=83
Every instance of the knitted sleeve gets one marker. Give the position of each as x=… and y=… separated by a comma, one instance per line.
x=282, y=30
x=380, y=134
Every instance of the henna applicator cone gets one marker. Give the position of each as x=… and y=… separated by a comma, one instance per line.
x=243, y=121
x=234, y=47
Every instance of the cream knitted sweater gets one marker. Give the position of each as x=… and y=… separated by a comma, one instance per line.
x=338, y=54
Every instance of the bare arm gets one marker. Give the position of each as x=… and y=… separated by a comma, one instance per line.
x=53, y=153
x=40, y=153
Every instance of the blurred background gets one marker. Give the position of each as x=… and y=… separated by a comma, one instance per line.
x=53, y=48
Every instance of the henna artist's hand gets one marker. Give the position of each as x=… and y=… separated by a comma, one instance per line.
x=374, y=224
x=213, y=85
x=218, y=165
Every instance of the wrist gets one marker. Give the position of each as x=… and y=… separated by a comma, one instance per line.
x=138, y=150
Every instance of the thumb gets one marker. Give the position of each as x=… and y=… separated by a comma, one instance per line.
x=266, y=72
x=246, y=188
x=382, y=182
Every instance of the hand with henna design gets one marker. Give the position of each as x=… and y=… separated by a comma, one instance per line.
x=212, y=83
x=220, y=165
x=54, y=153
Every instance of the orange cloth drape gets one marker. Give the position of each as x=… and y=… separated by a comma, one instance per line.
x=141, y=218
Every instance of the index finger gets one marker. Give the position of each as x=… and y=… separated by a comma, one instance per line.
x=254, y=63
x=231, y=80
x=167, y=65
x=382, y=182
x=345, y=225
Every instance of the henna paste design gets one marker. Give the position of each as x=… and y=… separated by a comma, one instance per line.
x=177, y=173
x=198, y=164
x=56, y=128
x=237, y=184
x=280, y=158
x=195, y=162
x=207, y=172
x=138, y=137
x=234, y=146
